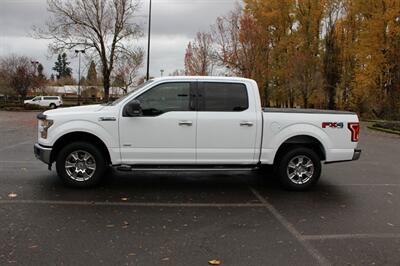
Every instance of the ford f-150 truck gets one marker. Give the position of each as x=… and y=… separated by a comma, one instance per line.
x=194, y=123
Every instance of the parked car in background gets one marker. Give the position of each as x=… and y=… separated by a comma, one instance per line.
x=46, y=101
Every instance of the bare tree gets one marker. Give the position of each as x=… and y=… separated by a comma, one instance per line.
x=127, y=68
x=104, y=28
x=18, y=74
x=198, y=57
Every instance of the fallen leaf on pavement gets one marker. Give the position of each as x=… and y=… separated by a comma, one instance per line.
x=124, y=199
x=12, y=195
x=214, y=262
x=165, y=259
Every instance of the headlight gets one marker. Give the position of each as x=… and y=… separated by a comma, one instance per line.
x=44, y=125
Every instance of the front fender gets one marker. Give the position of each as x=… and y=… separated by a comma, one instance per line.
x=57, y=131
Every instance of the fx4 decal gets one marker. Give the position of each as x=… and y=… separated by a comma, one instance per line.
x=332, y=124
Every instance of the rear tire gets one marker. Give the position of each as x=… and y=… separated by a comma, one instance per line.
x=299, y=169
x=81, y=164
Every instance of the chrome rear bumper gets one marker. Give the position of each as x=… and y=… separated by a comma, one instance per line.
x=357, y=154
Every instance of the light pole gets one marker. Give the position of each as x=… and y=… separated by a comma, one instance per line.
x=162, y=72
x=148, y=44
x=79, y=52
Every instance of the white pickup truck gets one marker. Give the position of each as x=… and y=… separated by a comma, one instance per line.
x=194, y=123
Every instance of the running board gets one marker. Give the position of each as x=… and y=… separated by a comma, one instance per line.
x=129, y=168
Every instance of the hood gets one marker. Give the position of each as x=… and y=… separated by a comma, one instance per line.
x=75, y=110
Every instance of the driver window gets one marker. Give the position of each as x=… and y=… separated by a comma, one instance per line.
x=36, y=99
x=166, y=97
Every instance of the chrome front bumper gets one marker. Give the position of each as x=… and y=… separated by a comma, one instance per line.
x=42, y=153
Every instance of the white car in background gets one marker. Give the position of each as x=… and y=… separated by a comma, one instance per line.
x=46, y=101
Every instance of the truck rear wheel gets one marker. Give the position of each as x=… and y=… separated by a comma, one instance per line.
x=299, y=169
x=81, y=164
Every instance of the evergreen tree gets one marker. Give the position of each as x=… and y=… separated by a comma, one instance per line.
x=91, y=77
x=58, y=67
x=40, y=72
x=61, y=66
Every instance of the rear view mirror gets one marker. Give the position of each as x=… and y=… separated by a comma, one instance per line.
x=133, y=109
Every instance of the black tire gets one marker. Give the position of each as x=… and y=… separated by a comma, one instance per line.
x=52, y=106
x=100, y=164
x=299, y=182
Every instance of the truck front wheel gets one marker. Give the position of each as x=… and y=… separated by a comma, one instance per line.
x=299, y=168
x=81, y=164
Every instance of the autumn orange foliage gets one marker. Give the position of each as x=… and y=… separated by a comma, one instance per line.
x=336, y=54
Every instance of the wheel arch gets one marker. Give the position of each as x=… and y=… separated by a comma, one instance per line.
x=301, y=140
x=79, y=136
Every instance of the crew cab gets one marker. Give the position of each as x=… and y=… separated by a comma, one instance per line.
x=194, y=123
x=46, y=101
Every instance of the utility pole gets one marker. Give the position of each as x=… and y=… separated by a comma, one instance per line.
x=79, y=52
x=148, y=44
x=162, y=72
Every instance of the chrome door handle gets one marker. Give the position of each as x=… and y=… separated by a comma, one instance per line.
x=185, y=123
x=246, y=123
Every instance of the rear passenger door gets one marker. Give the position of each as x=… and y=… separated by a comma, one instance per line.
x=226, y=124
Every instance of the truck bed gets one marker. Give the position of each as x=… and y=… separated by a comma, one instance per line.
x=306, y=111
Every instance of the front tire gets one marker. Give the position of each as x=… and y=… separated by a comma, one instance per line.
x=81, y=164
x=52, y=106
x=299, y=169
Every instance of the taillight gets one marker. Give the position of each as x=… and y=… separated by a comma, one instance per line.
x=355, y=131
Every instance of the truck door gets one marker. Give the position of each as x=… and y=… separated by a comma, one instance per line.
x=226, y=124
x=165, y=133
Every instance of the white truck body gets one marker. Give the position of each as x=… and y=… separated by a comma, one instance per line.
x=247, y=137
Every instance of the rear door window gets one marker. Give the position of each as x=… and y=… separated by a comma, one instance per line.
x=223, y=97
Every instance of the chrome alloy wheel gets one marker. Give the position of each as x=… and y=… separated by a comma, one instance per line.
x=80, y=165
x=300, y=169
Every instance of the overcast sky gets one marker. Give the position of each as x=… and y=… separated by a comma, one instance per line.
x=174, y=24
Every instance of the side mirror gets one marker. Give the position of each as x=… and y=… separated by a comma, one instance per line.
x=133, y=109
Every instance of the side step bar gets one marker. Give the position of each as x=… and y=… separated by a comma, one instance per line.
x=152, y=168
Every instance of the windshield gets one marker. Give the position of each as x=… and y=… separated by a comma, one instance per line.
x=129, y=93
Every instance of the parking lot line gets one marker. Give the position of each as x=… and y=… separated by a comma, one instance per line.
x=292, y=230
x=350, y=236
x=135, y=204
x=362, y=185
x=16, y=144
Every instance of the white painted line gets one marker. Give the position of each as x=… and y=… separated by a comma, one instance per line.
x=17, y=144
x=292, y=230
x=133, y=204
x=361, y=185
x=351, y=236
x=34, y=161
x=372, y=185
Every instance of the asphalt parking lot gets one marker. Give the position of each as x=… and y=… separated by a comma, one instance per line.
x=351, y=218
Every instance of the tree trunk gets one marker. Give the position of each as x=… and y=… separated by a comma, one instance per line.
x=266, y=95
x=106, y=83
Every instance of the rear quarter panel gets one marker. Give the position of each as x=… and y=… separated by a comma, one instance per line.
x=336, y=141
